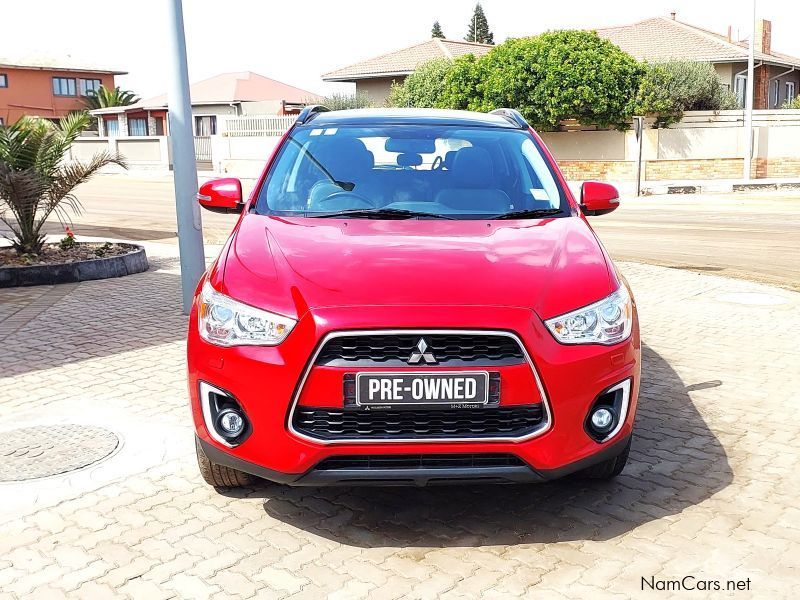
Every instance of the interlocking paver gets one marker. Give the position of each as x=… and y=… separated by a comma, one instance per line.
x=710, y=490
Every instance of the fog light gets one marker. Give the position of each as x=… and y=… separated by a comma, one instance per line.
x=603, y=419
x=230, y=423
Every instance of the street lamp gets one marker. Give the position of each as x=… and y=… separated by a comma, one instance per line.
x=184, y=165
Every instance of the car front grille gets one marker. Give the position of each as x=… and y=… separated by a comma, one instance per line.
x=334, y=424
x=448, y=349
x=419, y=461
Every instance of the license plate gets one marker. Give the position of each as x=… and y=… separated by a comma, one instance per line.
x=408, y=389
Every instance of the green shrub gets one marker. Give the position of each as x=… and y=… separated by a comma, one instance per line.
x=793, y=104
x=347, y=101
x=424, y=87
x=669, y=89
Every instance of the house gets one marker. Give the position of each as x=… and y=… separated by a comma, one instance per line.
x=375, y=76
x=43, y=87
x=228, y=94
x=658, y=39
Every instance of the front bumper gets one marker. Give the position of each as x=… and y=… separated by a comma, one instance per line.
x=419, y=477
x=267, y=381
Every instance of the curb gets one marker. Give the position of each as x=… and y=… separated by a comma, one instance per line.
x=717, y=187
x=86, y=270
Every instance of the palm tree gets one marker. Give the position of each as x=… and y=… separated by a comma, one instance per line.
x=104, y=98
x=36, y=180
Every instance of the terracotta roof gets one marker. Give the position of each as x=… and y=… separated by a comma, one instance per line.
x=229, y=88
x=65, y=63
x=403, y=62
x=662, y=38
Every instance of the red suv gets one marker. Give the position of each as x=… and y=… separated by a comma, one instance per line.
x=411, y=297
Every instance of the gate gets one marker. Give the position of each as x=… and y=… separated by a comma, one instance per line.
x=202, y=153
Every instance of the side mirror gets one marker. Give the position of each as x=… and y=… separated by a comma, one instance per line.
x=221, y=195
x=598, y=198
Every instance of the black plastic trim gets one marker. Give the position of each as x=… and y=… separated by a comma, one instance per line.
x=414, y=477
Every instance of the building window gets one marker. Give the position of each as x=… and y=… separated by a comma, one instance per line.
x=205, y=125
x=63, y=86
x=90, y=85
x=2, y=123
x=740, y=88
x=112, y=127
x=790, y=93
x=3, y=80
x=137, y=126
x=775, y=91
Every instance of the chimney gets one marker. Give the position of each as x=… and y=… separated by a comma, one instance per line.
x=763, y=36
x=672, y=15
x=730, y=33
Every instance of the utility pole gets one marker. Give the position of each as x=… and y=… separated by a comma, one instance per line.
x=184, y=165
x=748, y=102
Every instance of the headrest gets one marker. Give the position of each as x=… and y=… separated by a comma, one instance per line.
x=343, y=157
x=472, y=167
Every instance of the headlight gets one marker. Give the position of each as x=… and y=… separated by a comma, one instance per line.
x=608, y=321
x=225, y=322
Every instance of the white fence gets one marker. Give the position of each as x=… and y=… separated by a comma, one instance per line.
x=253, y=126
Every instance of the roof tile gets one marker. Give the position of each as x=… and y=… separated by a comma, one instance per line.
x=405, y=61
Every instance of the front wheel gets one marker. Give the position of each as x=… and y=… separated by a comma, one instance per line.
x=220, y=476
x=608, y=469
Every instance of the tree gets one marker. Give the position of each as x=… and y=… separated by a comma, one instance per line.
x=346, y=101
x=424, y=87
x=105, y=98
x=35, y=179
x=436, y=30
x=551, y=77
x=478, y=30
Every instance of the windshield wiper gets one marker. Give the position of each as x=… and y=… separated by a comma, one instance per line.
x=379, y=213
x=535, y=213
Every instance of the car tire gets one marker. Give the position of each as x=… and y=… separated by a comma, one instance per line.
x=608, y=469
x=220, y=476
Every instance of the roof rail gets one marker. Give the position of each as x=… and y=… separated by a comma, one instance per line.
x=512, y=116
x=309, y=112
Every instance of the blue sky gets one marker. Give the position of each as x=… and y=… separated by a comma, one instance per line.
x=296, y=42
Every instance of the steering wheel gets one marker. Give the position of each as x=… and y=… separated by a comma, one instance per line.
x=353, y=200
x=438, y=163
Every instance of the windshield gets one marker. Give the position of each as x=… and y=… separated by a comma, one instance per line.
x=411, y=171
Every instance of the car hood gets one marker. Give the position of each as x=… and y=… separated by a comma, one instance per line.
x=291, y=265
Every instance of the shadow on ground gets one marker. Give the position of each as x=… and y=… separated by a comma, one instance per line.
x=676, y=462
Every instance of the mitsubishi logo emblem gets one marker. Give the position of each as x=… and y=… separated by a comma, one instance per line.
x=420, y=353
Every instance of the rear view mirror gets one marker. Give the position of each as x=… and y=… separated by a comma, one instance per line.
x=598, y=198
x=221, y=195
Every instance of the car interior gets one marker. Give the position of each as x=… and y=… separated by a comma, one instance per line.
x=471, y=174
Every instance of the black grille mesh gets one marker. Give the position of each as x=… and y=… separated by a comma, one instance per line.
x=447, y=349
x=332, y=423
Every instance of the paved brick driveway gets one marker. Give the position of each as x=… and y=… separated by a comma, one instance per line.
x=711, y=490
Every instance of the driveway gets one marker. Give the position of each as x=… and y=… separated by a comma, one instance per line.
x=710, y=491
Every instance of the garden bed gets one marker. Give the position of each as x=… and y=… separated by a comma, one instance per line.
x=81, y=262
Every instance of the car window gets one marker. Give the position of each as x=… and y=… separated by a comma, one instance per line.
x=458, y=172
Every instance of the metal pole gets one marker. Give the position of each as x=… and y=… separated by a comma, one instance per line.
x=748, y=102
x=639, y=128
x=190, y=227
